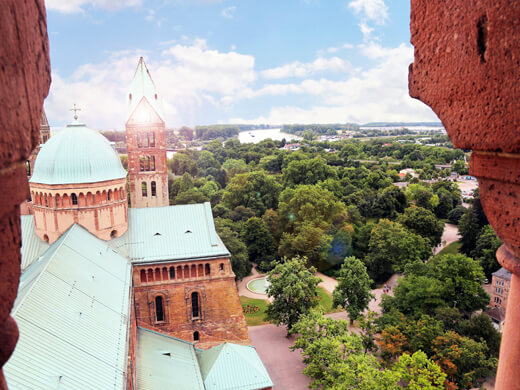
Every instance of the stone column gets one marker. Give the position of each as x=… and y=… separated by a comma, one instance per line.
x=25, y=80
x=466, y=67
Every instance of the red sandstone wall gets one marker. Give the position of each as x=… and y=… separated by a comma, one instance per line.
x=25, y=80
x=136, y=176
x=221, y=319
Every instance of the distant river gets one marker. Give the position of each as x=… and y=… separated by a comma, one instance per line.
x=255, y=136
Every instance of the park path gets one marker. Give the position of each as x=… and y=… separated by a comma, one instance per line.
x=449, y=235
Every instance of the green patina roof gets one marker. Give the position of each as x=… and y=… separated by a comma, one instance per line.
x=233, y=367
x=170, y=233
x=77, y=155
x=72, y=311
x=164, y=362
x=142, y=86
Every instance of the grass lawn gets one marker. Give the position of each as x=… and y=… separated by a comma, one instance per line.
x=451, y=249
x=257, y=317
x=326, y=301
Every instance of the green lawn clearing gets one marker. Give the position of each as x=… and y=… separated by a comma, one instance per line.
x=451, y=249
x=254, y=310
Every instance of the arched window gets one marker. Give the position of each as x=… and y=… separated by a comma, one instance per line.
x=152, y=163
x=207, y=270
x=165, y=273
x=150, y=275
x=200, y=272
x=172, y=272
x=221, y=267
x=154, y=188
x=28, y=167
x=196, y=336
x=121, y=194
x=113, y=233
x=144, y=189
x=152, y=139
x=195, y=305
x=147, y=163
x=109, y=195
x=157, y=274
x=159, y=309
x=145, y=140
x=179, y=272
x=143, y=276
x=186, y=272
x=193, y=273
x=46, y=201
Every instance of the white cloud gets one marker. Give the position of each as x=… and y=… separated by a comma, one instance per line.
x=71, y=6
x=229, y=12
x=374, y=10
x=187, y=76
x=376, y=94
x=302, y=69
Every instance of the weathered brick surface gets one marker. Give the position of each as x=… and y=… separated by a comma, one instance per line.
x=25, y=80
x=466, y=65
x=221, y=317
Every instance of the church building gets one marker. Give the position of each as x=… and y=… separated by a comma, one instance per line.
x=113, y=297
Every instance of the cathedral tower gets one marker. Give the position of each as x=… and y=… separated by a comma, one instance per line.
x=146, y=142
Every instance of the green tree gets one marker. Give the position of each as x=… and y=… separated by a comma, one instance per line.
x=461, y=278
x=469, y=229
x=293, y=288
x=391, y=247
x=181, y=163
x=424, y=223
x=307, y=171
x=353, y=289
x=255, y=190
x=239, y=261
x=486, y=249
x=417, y=372
x=259, y=242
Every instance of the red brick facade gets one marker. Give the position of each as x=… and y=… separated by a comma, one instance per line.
x=199, y=300
x=147, y=165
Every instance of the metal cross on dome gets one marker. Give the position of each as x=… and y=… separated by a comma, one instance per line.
x=75, y=109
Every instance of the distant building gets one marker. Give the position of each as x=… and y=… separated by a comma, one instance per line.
x=500, y=288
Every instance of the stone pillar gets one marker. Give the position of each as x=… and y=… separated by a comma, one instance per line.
x=25, y=80
x=466, y=66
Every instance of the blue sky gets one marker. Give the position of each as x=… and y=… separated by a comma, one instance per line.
x=224, y=61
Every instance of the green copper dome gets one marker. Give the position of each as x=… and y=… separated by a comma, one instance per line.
x=77, y=155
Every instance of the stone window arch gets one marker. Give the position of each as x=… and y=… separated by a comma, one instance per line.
x=46, y=200
x=172, y=272
x=193, y=272
x=113, y=234
x=196, y=336
x=153, y=185
x=186, y=272
x=90, y=199
x=143, y=276
x=81, y=200
x=144, y=189
x=65, y=200
x=58, y=201
x=159, y=308
x=147, y=163
x=165, y=273
x=221, y=267
x=179, y=272
x=195, y=305
x=150, y=275
x=121, y=194
x=207, y=269
x=104, y=196
x=109, y=195
x=157, y=274
x=74, y=199
x=98, y=197
x=152, y=163
x=145, y=140
x=200, y=272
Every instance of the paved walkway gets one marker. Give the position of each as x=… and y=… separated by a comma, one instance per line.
x=449, y=235
x=284, y=367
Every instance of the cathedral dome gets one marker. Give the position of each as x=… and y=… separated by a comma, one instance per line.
x=77, y=155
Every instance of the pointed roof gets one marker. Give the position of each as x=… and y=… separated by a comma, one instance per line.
x=142, y=86
x=43, y=120
x=232, y=366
